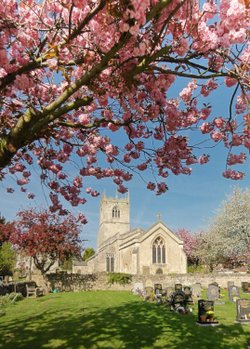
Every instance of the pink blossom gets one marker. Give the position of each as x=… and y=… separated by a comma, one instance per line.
x=203, y=159
x=151, y=186
x=142, y=166
x=232, y=174
x=216, y=136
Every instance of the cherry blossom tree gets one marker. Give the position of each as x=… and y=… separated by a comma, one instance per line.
x=190, y=245
x=44, y=236
x=76, y=73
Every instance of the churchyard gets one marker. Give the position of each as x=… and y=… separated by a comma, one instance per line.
x=121, y=319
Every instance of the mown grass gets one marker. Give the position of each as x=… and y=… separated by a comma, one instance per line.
x=113, y=320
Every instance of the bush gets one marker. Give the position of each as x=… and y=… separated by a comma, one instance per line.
x=119, y=278
x=9, y=298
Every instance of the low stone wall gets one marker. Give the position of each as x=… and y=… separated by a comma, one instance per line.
x=66, y=282
x=99, y=281
x=190, y=279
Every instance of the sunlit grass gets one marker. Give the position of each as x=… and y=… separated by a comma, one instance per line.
x=114, y=320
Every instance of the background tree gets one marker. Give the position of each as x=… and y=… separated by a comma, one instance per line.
x=75, y=73
x=7, y=259
x=7, y=254
x=44, y=236
x=227, y=240
x=88, y=252
x=190, y=245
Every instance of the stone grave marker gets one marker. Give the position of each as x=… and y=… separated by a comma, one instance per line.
x=243, y=310
x=178, y=287
x=157, y=289
x=245, y=287
x=206, y=315
x=230, y=283
x=213, y=292
x=233, y=293
x=188, y=293
x=178, y=302
x=196, y=290
x=148, y=292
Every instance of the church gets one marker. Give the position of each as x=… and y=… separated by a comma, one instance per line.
x=121, y=249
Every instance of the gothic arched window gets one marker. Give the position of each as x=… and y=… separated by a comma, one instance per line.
x=158, y=251
x=115, y=212
x=110, y=263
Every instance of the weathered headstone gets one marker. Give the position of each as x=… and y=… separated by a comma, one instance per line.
x=169, y=290
x=245, y=287
x=148, y=291
x=213, y=292
x=158, y=289
x=178, y=287
x=178, y=302
x=243, y=310
x=196, y=290
x=230, y=283
x=233, y=293
x=188, y=293
x=206, y=313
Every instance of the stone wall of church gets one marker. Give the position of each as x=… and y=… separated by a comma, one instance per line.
x=175, y=256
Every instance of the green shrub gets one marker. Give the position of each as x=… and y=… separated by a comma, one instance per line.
x=119, y=278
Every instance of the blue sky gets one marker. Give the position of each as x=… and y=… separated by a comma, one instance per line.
x=190, y=203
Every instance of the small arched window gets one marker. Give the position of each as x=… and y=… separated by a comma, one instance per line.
x=158, y=251
x=110, y=262
x=115, y=212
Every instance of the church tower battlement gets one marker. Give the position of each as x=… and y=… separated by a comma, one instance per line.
x=114, y=217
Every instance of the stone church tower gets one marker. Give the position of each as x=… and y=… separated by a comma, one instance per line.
x=114, y=218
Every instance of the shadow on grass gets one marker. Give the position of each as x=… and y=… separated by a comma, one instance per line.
x=134, y=325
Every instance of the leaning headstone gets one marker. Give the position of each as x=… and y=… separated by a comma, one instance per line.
x=245, y=287
x=196, y=290
x=206, y=315
x=213, y=292
x=243, y=310
x=233, y=293
x=178, y=287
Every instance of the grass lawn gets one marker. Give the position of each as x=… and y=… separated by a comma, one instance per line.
x=113, y=320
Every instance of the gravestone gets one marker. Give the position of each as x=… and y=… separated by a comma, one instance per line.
x=188, y=293
x=213, y=292
x=196, y=290
x=178, y=287
x=245, y=287
x=233, y=293
x=178, y=302
x=169, y=291
x=230, y=283
x=148, y=291
x=243, y=310
x=206, y=313
x=158, y=289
